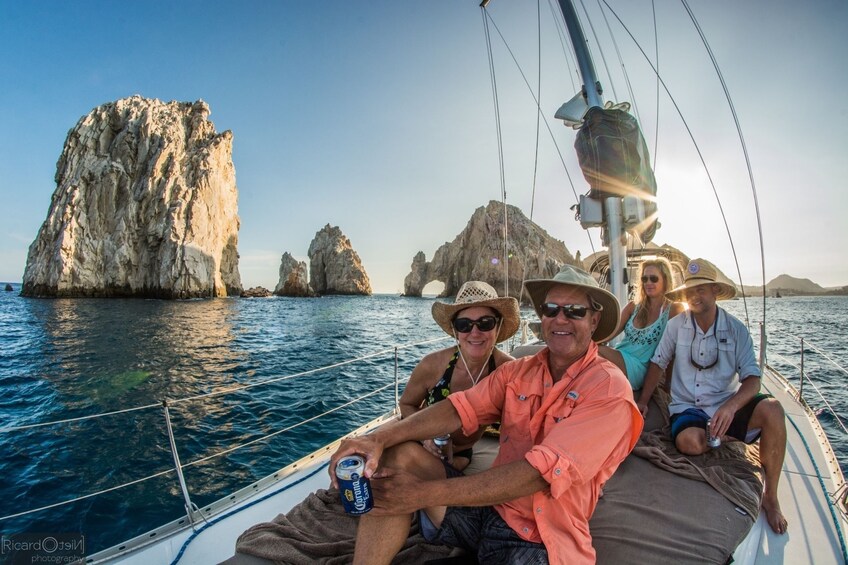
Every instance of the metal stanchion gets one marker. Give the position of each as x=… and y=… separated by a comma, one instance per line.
x=178, y=466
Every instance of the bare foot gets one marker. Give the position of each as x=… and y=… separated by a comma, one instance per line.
x=774, y=516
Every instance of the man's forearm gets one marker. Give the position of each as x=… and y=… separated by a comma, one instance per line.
x=747, y=390
x=433, y=421
x=399, y=494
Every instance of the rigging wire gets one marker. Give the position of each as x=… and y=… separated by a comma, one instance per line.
x=544, y=119
x=559, y=26
x=697, y=150
x=747, y=158
x=600, y=51
x=538, y=119
x=494, y=84
x=620, y=60
x=657, y=55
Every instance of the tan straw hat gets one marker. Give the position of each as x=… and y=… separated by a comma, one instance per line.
x=700, y=272
x=570, y=276
x=478, y=293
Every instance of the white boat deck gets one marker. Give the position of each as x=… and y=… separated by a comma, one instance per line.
x=812, y=537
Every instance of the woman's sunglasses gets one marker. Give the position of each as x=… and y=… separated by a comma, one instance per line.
x=484, y=324
x=571, y=311
x=652, y=278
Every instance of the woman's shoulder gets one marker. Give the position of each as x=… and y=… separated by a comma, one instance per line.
x=438, y=358
x=501, y=357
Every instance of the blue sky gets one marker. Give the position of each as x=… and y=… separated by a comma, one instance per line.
x=377, y=117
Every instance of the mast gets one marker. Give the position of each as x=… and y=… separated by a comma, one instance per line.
x=593, y=94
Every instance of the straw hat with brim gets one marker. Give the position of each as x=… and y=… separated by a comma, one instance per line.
x=700, y=272
x=577, y=278
x=478, y=293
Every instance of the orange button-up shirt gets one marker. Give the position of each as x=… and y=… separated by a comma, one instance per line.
x=574, y=432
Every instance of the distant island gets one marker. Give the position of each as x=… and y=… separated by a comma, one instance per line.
x=786, y=285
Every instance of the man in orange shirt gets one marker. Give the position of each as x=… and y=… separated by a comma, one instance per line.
x=567, y=420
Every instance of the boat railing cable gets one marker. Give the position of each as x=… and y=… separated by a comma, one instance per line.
x=805, y=376
x=289, y=428
x=180, y=466
x=191, y=508
x=228, y=390
x=817, y=389
x=85, y=496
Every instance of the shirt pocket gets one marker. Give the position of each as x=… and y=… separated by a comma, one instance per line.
x=562, y=410
x=519, y=407
x=726, y=344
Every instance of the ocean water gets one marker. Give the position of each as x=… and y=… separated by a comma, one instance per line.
x=65, y=359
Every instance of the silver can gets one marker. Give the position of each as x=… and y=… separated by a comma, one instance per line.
x=712, y=441
x=445, y=445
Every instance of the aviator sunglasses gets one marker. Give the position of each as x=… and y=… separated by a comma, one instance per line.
x=571, y=311
x=652, y=278
x=484, y=324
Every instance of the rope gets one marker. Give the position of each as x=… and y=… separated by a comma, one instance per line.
x=201, y=460
x=245, y=507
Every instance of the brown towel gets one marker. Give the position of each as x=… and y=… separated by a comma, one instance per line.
x=317, y=531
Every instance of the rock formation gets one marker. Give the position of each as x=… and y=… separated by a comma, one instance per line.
x=293, y=278
x=256, y=292
x=145, y=204
x=477, y=253
x=334, y=267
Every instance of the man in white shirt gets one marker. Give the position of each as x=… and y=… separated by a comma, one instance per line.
x=716, y=379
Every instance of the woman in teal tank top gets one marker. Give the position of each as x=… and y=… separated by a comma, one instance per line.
x=643, y=321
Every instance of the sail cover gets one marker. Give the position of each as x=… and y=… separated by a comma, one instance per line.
x=614, y=158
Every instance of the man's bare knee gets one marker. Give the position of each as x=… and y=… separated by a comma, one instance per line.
x=767, y=413
x=412, y=457
x=691, y=442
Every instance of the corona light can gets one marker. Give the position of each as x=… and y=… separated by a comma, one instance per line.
x=354, y=487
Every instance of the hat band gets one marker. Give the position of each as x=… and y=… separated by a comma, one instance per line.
x=705, y=281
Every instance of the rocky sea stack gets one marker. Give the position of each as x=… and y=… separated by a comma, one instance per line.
x=145, y=205
x=293, y=278
x=477, y=253
x=334, y=267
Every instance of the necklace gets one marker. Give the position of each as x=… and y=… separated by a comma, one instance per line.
x=467, y=370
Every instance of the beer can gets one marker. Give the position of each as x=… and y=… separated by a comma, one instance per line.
x=354, y=487
x=712, y=441
x=445, y=446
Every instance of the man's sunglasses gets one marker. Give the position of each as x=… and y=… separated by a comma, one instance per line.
x=571, y=311
x=484, y=324
x=652, y=278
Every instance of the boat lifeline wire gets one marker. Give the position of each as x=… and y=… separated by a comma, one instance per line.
x=185, y=399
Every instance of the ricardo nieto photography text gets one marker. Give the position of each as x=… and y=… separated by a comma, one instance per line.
x=20, y=548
